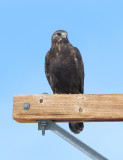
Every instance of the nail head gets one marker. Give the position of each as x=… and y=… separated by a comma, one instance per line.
x=80, y=109
x=41, y=100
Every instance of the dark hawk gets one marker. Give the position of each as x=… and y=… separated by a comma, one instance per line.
x=65, y=70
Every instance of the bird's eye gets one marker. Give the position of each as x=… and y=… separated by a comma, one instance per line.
x=58, y=34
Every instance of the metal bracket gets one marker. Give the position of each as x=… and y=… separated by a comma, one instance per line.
x=50, y=125
x=44, y=125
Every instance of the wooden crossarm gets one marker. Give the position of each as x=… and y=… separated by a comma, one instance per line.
x=68, y=107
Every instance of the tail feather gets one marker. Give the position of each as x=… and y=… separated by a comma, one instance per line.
x=76, y=127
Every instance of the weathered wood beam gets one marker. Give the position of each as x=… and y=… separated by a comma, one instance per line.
x=69, y=107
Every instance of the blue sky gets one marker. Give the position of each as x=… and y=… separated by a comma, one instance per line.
x=96, y=29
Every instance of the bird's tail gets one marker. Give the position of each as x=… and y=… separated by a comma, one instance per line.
x=76, y=127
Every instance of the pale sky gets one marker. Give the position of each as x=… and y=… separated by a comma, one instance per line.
x=96, y=29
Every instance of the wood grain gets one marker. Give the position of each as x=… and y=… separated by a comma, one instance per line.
x=69, y=107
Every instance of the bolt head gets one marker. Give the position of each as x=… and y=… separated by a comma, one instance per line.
x=26, y=106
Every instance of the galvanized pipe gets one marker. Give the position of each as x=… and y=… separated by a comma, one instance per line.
x=73, y=140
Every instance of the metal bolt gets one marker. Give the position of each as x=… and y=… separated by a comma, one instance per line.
x=26, y=106
x=43, y=130
x=44, y=123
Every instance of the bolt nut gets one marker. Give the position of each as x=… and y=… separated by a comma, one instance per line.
x=26, y=106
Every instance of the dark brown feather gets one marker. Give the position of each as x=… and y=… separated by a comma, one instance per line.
x=65, y=70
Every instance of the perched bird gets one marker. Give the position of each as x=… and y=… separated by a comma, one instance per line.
x=64, y=70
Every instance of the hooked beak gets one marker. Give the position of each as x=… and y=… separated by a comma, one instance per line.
x=64, y=35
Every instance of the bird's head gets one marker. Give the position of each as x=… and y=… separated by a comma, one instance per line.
x=59, y=36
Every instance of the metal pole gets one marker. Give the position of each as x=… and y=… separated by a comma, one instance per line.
x=50, y=125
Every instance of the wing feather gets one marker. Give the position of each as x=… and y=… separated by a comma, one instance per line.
x=80, y=68
x=47, y=69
